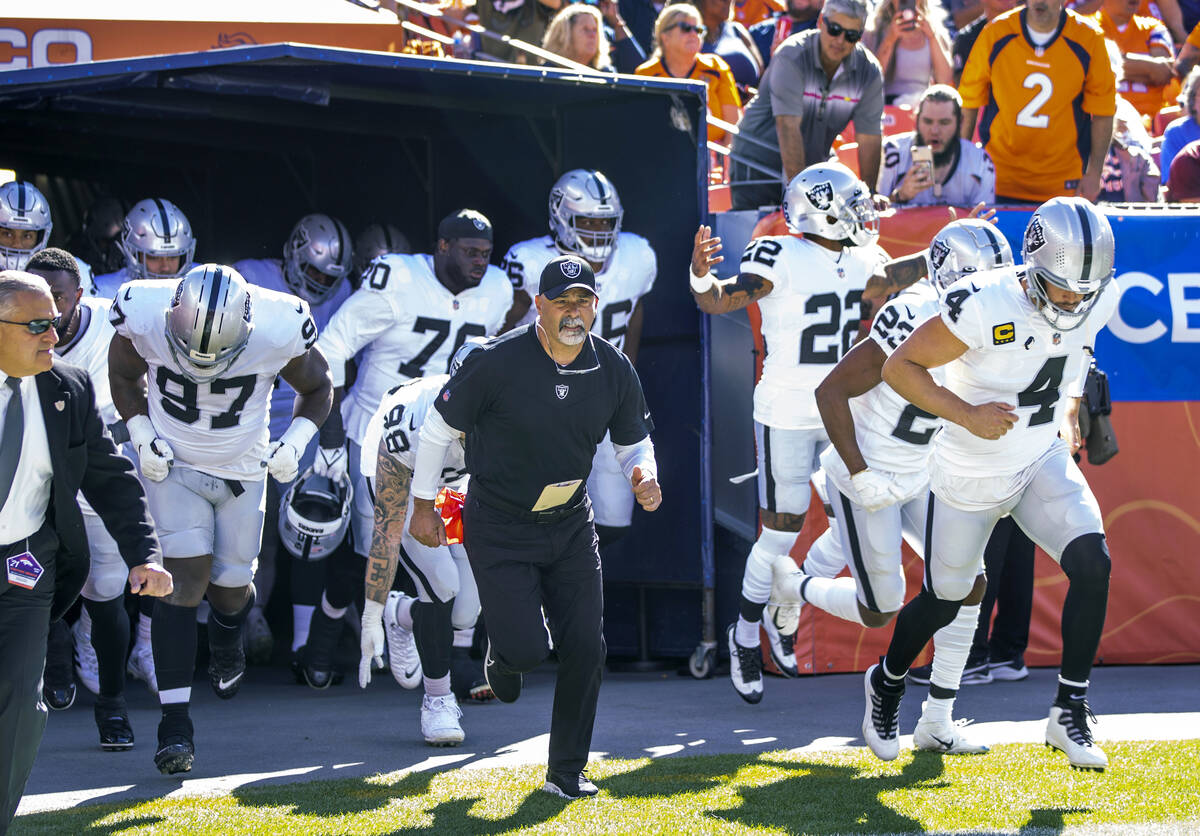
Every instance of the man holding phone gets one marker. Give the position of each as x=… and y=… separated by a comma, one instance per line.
x=933, y=165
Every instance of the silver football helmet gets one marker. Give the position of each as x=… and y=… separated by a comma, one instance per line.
x=584, y=193
x=1069, y=244
x=209, y=321
x=315, y=515
x=375, y=240
x=829, y=200
x=316, y=257
x=156, y=228
x=966, y=246
x=23, y=209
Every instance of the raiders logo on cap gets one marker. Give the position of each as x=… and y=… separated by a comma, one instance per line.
x=570, y=269
x=821, y=195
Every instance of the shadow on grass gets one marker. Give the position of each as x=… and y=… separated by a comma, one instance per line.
x=80, y=820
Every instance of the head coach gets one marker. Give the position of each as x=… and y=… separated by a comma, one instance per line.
x=534, y=404
x=52, y=445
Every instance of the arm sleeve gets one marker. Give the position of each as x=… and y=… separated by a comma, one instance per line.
x=631, y=420
x=868, y=113
x=640, y=455
x=360, y=319
x=436, y=438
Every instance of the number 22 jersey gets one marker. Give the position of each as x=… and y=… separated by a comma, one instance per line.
x=219, y=426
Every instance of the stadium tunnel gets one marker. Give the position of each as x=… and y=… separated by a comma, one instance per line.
x=248, y=139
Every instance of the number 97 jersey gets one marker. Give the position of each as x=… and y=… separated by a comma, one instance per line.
x=809, y=320
x=219, y=426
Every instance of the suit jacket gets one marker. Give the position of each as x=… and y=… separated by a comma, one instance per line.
x=84, y=458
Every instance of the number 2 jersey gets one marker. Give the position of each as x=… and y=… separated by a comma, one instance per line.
x=1013, y=356
x=219, y=426
x=628, y=276
x=407, y=324
x=399, y=419
x=809, y=320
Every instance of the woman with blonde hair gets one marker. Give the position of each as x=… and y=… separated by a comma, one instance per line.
x=678, y=37
x=577, y=33
x=909, y=39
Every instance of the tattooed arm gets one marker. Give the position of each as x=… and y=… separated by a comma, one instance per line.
x=897, y=274
x=392, y=483
x=721, y=296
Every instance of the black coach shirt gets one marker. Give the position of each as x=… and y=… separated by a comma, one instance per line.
x=530, y=424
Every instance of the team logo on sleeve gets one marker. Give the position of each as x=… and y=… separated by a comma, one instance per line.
x=821, y=196
x=1035, y=237
x=938, y=253
x=1002, y=334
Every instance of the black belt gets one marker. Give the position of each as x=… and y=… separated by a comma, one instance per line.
x=550, y=515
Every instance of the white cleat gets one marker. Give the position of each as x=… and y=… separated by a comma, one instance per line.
x=783, y=610
x=402, y=647
x=783, y=648
x=141, y=666
x=1067, y=730
x=439, y=721
x=881, y=721
x=944, y=736
x=745, y=668
x=87, y=667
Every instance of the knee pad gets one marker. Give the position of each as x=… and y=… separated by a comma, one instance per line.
x=464, y=613
x=104, y=586
x=889, y=594
x=1086, y=560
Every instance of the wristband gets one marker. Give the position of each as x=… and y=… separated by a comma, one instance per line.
x=141, y=431
x=701, y=284
x=299, y=434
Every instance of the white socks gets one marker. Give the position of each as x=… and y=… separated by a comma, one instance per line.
x=301, y=622
x=951, y=646
x=758, y=577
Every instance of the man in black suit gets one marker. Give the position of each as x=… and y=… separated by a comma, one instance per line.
x=52, y=445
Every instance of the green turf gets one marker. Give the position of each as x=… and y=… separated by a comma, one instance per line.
x=1014, y=789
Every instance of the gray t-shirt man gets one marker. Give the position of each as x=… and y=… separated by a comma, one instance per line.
x=796, y=84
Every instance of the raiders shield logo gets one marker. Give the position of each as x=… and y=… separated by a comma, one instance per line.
x=561, y=390
x=570, y=269
x=480, y=225
x=1035, y=238
x=821, y=196
x=938, y=253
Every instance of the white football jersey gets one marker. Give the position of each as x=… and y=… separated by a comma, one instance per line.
x=407, y=324
x=973, y=178
x=399, y=419
x=106, y=286
x=628, y=276
x=809, y=320
x=219, y=426
x=1013, y=356
x=268, y=273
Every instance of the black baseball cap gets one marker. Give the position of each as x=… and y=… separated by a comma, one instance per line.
x=564, y=273
x=464, y=223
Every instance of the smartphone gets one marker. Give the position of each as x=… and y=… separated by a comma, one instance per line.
x=922, y=157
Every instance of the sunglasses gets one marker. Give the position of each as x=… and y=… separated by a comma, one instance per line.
x=34, y=326
x=836, y=30
x=687, y=27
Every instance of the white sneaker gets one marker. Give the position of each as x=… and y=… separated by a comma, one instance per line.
x=944, y=736
x=783, y=610
x=439, y=721
x=1067, y=730
x=745, y=668
x=880, y=726
x=783, y=648
x=141, y=666
x=87, y=667
x=402, y=647
x=257, y=635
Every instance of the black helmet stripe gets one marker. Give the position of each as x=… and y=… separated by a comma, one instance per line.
x=20, y=199
x=387, y=238
x=214, y=292
x=997, y=252
x=166, y=221
x=600, y=190
x=1085, y=224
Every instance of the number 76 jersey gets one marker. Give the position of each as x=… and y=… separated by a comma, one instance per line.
x=222, y=426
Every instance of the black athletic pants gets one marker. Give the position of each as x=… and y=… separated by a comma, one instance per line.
x=1008, y=561
x=24, y=626
x=522, y=566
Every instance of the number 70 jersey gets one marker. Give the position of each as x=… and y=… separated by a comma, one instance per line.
x=221, y=426
x=809, y=320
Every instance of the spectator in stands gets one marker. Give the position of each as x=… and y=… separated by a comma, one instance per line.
x=909, y=39
x=750, y=12
x=967, y=35
x=1129, y=175
x=1185, y=175
x=1042, y=73
x=1185, y=129
x=729, y=40
x=962, y=173
x=523, y=19
x=768, y=34
x=1148, y=53
x=678, y=33
x=577, y=34
x=817, y=83
x=1189, y=55
x=640, y=16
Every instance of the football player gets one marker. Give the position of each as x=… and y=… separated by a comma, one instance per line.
x=376, y=239
x=585, y=220
x=808, y=290
x=195, y=399
x=1016, y=344
x=447, y=599
x=157, y=241
x=316, y=264
x=877, y=472
x=25, y=225
x=412, y=313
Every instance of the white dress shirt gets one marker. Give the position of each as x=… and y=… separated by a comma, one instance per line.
x=25, y=509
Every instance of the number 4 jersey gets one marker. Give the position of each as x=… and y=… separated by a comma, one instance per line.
x=809, y=320
x=221, y=426
x=407, y=324
x=1013, y=356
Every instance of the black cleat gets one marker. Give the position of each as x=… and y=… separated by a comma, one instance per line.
x=316, y=659
x=176, y=751
x=116, y=735
x=58, y=681
x=59, y=699
x=226, y=669
x=505, y=685
x=569, y=785
x=466, y=677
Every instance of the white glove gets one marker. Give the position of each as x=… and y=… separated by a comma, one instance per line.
x=283, y=462
x=371, y=642
x=155, y=456
x=332, y=463
x=873, y=488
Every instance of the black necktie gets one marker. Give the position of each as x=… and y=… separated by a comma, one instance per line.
x=11, y=438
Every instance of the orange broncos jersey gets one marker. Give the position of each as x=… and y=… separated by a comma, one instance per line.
x=713, y=71
x=1194, y=38
x=1037, y=102
x=1139, y=36
x=749, y=12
